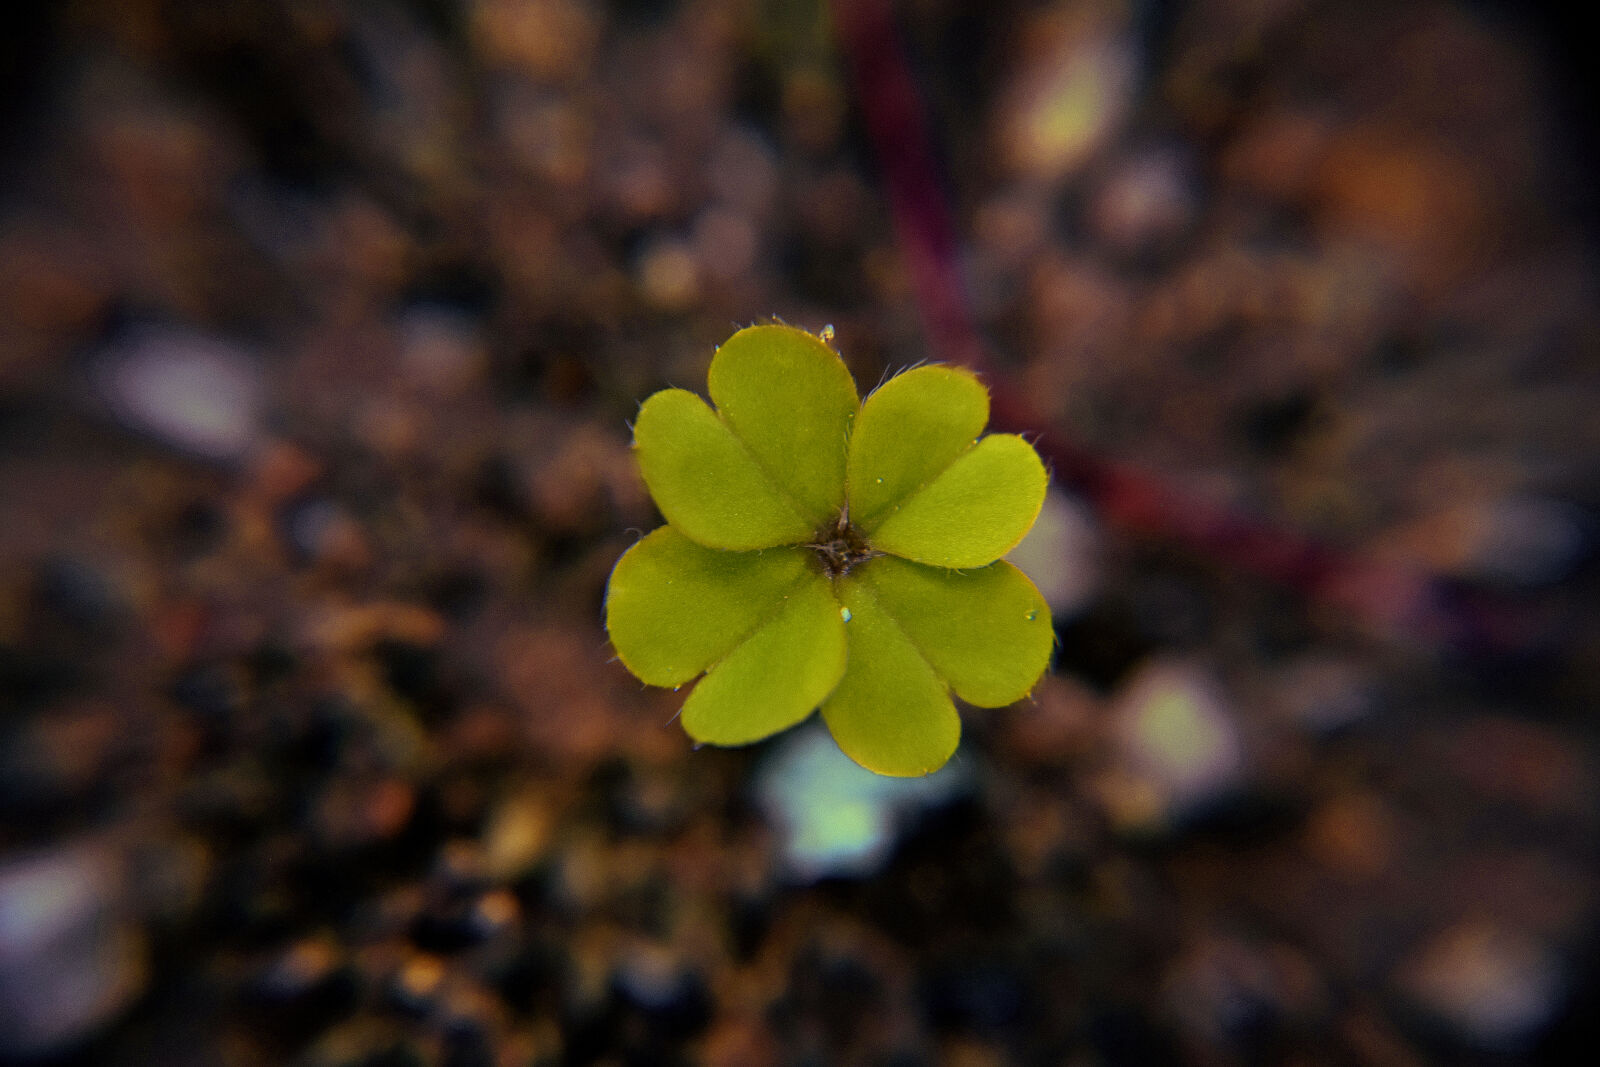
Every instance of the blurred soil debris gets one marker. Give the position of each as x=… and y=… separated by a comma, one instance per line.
x=321, y=324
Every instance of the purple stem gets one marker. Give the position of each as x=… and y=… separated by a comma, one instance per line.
x=1391, y=599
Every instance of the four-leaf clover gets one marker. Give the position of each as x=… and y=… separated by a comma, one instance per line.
x=824, y=551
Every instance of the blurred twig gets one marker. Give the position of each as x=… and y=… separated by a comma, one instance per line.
x=1390, y=599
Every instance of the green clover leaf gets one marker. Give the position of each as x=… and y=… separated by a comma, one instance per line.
x=823, y=551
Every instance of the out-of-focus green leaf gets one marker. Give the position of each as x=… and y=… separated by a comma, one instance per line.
x=791, y=400
x=890, y=712
x=674, y=608
x=910, y=429
x=987, y=632
x=775, y=677
x=974, y=512
x=705, y=480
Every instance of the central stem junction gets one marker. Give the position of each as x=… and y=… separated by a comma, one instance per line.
x=840, y=546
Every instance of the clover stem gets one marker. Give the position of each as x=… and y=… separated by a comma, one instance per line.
x=841, y=546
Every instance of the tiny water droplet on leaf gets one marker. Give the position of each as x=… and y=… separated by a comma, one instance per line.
x=844, y=613
x=1032, y=615
x=827, y=332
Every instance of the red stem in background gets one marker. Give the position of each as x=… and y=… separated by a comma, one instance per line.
x=892, y=108
x=1389, y=599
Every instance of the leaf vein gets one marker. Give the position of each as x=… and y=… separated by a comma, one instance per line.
x=872, y=594
x=761, y=623
x=788, y=498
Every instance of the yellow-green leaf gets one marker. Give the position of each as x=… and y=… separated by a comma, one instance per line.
x=974, y=512
x=673, y=608
x=987, y=632
x=706, y=482
x=776, y=676
x=890, y=712
x=910, y=429
x=791, y=400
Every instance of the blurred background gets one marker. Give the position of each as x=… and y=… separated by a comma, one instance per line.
x=321, y=323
